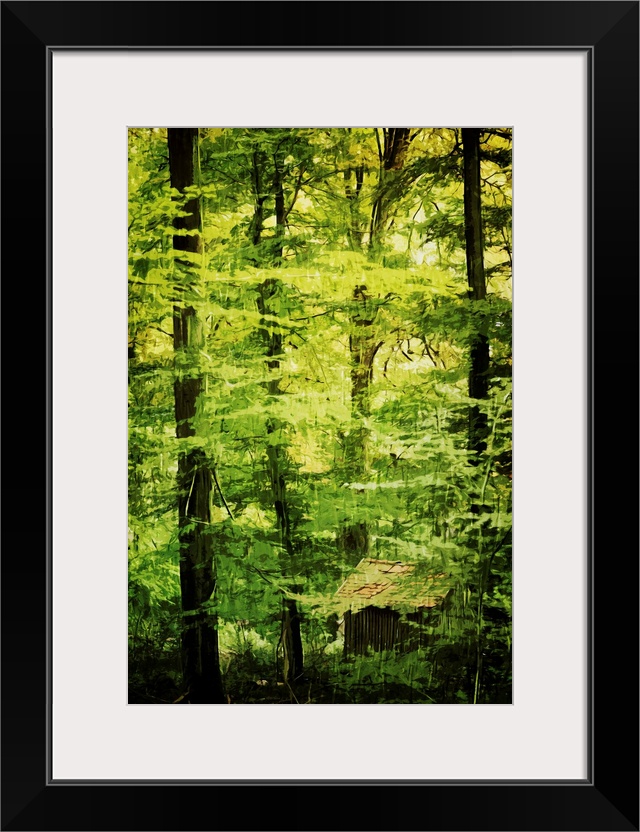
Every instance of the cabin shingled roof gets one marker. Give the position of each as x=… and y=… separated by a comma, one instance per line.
x=391, y=583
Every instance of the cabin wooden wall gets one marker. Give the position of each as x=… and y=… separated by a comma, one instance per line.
x=381, y=629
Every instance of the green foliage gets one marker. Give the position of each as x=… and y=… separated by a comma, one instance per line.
x=396, y=465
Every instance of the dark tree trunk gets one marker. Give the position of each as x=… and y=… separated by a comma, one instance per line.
x=200, y=656
x=474, y=237
x=479, y=358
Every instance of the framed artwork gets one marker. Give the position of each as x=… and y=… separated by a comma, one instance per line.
x=344, y=339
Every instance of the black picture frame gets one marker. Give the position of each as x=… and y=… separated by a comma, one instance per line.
x=608, y=798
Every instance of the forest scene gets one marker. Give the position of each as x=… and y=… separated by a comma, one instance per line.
x=319, y=406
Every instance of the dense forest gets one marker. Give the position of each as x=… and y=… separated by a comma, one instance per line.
x=319, y=355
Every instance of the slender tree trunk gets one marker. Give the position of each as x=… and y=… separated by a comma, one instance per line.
x=200, y=656
x=352, y=190
x=363, y=345
x=474, y=237
x=269, y=291
x=276, y=460
x=257, y=221
x=363, y=348
x=281, y=211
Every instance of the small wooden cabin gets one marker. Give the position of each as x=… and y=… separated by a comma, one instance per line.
x=387, y=604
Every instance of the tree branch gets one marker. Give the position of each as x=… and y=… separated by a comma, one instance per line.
x=224, y=502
